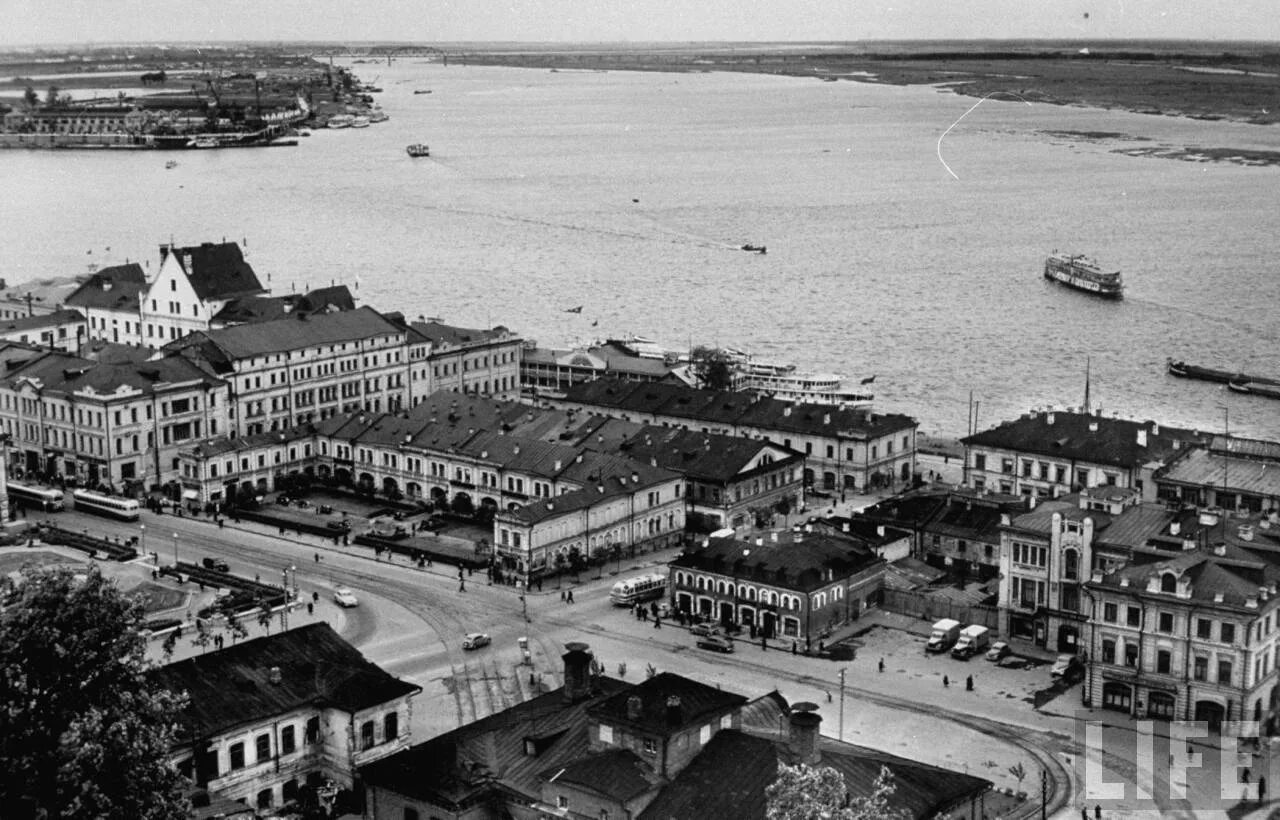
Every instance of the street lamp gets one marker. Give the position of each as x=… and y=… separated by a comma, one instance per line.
x=175, y=550
x=842, y=671
x=142, y=542
x=288, y=598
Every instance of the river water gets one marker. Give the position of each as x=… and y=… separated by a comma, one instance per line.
x=890, y=252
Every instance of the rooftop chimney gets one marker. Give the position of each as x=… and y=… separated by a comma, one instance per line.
x=274, y=675
x=675, y=715
x=1048, y=419
x=804, y=736
x=1175, y=527
x=577, y=665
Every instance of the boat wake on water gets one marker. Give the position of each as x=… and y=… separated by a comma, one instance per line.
x=1231, y=322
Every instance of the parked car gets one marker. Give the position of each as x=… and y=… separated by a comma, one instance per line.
x=716, y=643
x=1067, y=667
x=475, y=640
x=998, y=650
x=216, y=564
x=704, y=629
x=344, y=597
x=337, y=526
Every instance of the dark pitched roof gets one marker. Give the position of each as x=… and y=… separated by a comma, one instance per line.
x=57, y=317
x=268, y=308
x=465, y=766
x=450, y=335
x=289, y=333
x=1085, y=437
x=697, y=703
x=794, y=561
x=64, y=373
x=232, y=687
x=113, y=288
x=618, y=774
x=709, y=457
x=729, y=778
x=217, y=270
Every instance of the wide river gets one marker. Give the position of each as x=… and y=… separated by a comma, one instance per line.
x=893, y=251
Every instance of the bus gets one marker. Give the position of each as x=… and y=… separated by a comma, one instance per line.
x=632, y=591
x=111, y=506
x=36, y=498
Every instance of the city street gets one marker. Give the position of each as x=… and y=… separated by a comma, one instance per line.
x=411, y=621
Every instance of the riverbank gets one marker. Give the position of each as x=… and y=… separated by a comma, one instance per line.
x=1173, y=79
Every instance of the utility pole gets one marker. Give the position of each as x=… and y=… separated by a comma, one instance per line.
x=175, y=551
x=1044, y=794
x=842, y=705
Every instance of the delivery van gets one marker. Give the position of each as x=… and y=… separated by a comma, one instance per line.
x=944, y=635
x=973, y=640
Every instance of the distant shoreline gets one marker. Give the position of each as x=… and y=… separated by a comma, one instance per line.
x=1185, y=83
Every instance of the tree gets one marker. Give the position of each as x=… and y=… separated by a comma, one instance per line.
x=86, y=733
x=712, y=367
x=1018, y=771
x=805, y=792
x=30, y=98
x=51, y=96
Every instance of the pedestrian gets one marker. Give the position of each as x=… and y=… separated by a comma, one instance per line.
x=968, y=684
x=1084, y=812
x=793, y=647
x=462, y=585
x=882, y=664
x=828, y=691
x=562, y=598
x=570, y=596
x=317, y=557
x=946, y=681
x=764, y=645
x=1262, y=789
x=311, y=608
x=221, y=523
x=1097, y=811
x=315, y=597
x=657, y=623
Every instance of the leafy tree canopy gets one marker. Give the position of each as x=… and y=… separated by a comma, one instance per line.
x=712, y=367
x=804, y=792
x=85, y=733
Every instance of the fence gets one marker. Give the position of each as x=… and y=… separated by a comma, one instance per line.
x=933, y=608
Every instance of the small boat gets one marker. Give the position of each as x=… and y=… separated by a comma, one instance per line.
x=341, y=121
x=203, y=142
x=379, y=116
x=360, y=122
x=173, y=163
x=755, y=248
x=1083, y=274
x=418, y=149
x=422, y=91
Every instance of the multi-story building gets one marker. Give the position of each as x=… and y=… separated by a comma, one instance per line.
x=1233, y=474
x=466, y=360
x=787, y=584
x=662, y=748
x=624, y=506
x=188, y=289
x=963, y=536
x=729, y=482
x=846, y=449
x=224, y=470
x=305, y=368
x=118, y=423
x=270, y=717
x=550, y=372
x=1194, y=635
x=63, y=330
x=1046, y=555
x=1051, y=453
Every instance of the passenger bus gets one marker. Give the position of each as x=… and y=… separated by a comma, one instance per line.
x=35, y=497
x=111, y=506
x=632, y=591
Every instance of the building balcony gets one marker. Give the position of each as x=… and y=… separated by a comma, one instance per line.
x=466, y=485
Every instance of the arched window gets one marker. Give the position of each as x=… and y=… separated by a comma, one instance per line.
x=1168, y=582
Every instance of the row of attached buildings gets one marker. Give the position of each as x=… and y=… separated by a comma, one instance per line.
x=1152, y=552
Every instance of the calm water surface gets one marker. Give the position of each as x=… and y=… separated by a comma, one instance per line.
x=630, y=192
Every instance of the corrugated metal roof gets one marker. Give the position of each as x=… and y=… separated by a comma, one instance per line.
x=1202, y=468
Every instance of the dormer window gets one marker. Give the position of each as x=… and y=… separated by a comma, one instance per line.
x=650, y=746
x=1168, y=582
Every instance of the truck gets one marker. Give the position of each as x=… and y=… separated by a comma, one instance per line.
x=944, y=635
x=973, y=640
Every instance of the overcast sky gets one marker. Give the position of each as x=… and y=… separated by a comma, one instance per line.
x=97, y=21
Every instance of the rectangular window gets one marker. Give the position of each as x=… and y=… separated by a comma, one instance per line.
x=1204, y=628
x=1201, y=668
x=1228, y=633
x=262, y=747
x=1108, y=651
x=979, y=461
x=650, y=747
x=390, y=727
x=1134, y=616
x=366, y=735
x=606, y=733
x=312, y=734
x=1166, y=622
x=1110, y=613
x=287, y=743
x=237, y=756
x=1224, y=673
x=1163, y=661
x=1131, y=655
